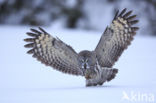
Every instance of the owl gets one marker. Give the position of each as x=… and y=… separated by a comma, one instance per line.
x=95, y=66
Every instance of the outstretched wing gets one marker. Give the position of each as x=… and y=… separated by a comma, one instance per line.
x=52, y=52
x=116, y=38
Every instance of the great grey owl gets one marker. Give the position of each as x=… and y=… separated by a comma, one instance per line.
x=96, y=65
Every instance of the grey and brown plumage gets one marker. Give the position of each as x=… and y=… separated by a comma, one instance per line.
x=96, y=65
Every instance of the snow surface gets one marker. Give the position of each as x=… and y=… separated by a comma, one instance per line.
x=25, y=80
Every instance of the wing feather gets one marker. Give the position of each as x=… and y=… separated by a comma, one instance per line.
x=116, y=38
x=52, y=52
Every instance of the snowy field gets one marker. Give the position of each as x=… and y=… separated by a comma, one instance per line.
x=25, y=80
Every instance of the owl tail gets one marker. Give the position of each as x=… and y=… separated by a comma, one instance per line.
x=111, y=74
x=108, y=74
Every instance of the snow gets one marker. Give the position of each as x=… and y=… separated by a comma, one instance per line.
x=24, y=80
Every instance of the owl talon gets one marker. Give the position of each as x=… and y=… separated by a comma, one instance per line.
x=100, y=83
x=94, y=84
x=89, y=85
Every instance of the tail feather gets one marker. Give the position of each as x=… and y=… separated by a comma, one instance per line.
x=112, y=74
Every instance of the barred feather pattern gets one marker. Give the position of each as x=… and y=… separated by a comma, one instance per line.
x=116, y=38
x=52, y=52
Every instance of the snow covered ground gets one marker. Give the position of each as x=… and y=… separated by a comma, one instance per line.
x=25, y=80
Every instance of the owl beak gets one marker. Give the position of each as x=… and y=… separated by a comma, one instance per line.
x=85, y=66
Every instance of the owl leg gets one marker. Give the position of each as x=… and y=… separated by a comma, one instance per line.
x=92, y=82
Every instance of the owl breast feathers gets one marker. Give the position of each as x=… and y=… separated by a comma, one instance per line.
x=53, y=52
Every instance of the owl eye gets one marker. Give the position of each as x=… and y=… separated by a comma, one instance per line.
x=86, y=60
x=82, y=60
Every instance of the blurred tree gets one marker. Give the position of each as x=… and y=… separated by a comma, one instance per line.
x=151, y=15
x=73, y=12
x=39, y=12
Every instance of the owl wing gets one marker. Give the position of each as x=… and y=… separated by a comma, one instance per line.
x=116, y=38
x=52, y=52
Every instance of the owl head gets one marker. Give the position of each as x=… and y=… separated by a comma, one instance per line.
x=87, y=62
